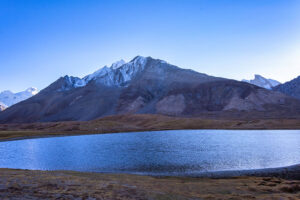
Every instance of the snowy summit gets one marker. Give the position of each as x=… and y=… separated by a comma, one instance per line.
x=263, y=82
x=8, y=98
x=118, y=74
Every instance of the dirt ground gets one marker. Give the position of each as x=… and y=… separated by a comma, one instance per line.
x=26, y=184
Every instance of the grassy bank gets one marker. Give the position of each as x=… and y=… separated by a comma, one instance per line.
x=130, y=123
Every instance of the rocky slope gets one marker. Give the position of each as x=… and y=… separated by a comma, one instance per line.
x=146, y=85
x=291, y=88
x=263, y=82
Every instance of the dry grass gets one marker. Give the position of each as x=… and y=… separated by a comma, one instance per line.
x=70, y=185
x=129, y=123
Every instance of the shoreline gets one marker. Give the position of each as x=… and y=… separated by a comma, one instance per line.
x=291, y=172
x=38, y=135
x=288, y=172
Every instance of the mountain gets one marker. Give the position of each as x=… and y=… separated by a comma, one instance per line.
x=263, y=82
x=8, y=98
x=147, y=86
x=2, y=106
x=291, y=88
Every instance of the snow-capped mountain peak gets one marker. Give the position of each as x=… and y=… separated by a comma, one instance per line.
x=32, y=90
x=2, y=106
x=118, y=74
x=100, y=72
x=139, y=60
x=129, y=70
x=8, y=98
x=263, y=82
x=118, y=64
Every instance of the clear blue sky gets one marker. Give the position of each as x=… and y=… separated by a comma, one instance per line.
x=43, y=40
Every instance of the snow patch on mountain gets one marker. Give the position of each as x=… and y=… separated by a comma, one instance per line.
x=71, y=82
x=263, y=82
x=8, y=98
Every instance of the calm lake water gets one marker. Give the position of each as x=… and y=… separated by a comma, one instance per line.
x=163, y=152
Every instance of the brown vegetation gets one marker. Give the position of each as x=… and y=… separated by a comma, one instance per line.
x=130, y=123
x=24, y=184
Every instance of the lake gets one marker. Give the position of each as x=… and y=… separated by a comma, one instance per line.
x=179, y=152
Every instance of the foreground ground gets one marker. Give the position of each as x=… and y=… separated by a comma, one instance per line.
x=129, y=123
x=23, y=184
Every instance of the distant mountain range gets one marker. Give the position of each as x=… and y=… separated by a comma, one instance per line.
x=8, y=98
x=291, y=88
x=263, y=82
x=151, y=86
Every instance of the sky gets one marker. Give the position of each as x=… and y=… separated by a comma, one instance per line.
x=41, y=41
